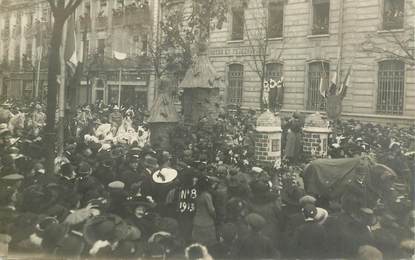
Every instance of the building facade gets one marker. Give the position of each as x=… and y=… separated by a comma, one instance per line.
x=102, y=27
x=305, y=41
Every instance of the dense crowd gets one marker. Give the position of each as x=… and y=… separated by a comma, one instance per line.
x=115, y=195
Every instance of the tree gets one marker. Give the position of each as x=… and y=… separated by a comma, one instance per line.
x=259, y=41
x=396, y=45
x=61, y=10
x=185, y=34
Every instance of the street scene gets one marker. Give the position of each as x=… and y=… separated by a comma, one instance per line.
x=207, y=129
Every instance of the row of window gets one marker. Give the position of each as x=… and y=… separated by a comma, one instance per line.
x=393, y=18
x=390, y=91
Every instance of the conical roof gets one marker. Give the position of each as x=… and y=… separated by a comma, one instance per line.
x=163, y=110
x=201, y=74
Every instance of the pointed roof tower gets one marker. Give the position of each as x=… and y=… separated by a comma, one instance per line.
x=163, y=110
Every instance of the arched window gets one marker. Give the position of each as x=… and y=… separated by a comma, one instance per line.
x=236, y=78
x=316, y=71
x=391, y=85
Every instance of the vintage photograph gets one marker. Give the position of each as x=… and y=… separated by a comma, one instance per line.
x=207, y=129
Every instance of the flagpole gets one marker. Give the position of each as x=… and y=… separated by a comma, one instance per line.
x=38, y=73
x=119, y=89
x=61, y=102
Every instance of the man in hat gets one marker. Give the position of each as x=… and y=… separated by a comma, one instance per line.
x=310, y=239
x=133, y=173
x=256, y=245
x=104, y=172
x=348, y=232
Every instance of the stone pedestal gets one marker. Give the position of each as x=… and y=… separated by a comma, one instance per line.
x=268, y=138
x=4, y=245
x=201, y=102
x=315, y=135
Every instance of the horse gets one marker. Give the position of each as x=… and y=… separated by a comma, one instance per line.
x=355, y=182
x=17, y=123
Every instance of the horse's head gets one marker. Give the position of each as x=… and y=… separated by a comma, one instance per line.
x=381, y=177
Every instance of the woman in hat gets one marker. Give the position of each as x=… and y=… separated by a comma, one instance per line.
x=256, y=245
x=141, y=214
x=265, y=203
x=204, y=230
x=293, y=145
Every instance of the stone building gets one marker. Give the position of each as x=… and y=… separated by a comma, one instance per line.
x=102, y=27
x=308, y=40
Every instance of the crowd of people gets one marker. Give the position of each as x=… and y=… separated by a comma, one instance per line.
x=112, y=194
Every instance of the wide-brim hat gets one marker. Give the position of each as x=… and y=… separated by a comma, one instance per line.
x=135, y=201
x=256, y=221
x=14, y=177
x=164, y=175
x=105, y=227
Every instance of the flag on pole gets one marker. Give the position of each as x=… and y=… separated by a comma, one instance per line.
x=73, y=54
x=346, y=83
x=70, y=53
x=333, y=85
x=323, y=84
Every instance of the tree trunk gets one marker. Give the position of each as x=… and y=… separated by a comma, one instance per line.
x=53, y=71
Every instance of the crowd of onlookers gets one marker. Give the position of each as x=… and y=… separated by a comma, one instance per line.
x=115, y=195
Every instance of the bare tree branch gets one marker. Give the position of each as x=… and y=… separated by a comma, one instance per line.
x=52, y=5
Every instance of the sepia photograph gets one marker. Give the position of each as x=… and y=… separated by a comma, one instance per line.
x=207, y=129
